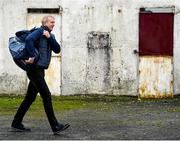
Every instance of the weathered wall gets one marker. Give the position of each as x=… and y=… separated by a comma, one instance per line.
x=13, y=18
x=98, y=16
x=177, y=48
x=112, y=70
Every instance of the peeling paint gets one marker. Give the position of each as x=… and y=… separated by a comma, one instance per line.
x=155, y=78
x=53, y=75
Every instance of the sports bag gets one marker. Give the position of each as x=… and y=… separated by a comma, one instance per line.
x=18, y=50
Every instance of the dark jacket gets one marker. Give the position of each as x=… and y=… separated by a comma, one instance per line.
x=44, y=45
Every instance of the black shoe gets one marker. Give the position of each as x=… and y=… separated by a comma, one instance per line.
x=59, y=128
x=19, y=127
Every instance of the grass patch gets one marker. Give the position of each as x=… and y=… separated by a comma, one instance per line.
x=10, y=103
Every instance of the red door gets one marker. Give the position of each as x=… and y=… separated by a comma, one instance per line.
x=155, y=55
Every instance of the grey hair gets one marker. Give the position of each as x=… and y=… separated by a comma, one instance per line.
x=46, y=18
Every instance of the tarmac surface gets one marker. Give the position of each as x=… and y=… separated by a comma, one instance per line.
x=132, y=120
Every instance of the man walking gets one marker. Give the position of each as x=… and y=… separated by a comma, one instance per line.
x=46, y=44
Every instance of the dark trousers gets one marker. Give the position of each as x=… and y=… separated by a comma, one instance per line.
x=37, y=84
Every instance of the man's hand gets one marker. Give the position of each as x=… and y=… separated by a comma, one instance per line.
x=46, y=33
x=30, y=60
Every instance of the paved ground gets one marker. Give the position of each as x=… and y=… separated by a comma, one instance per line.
x=118, y=120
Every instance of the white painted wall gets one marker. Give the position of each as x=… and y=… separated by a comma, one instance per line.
x=117, y=17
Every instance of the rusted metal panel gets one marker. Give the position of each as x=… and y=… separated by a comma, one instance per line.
x=53, y=74
x=155, y=77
